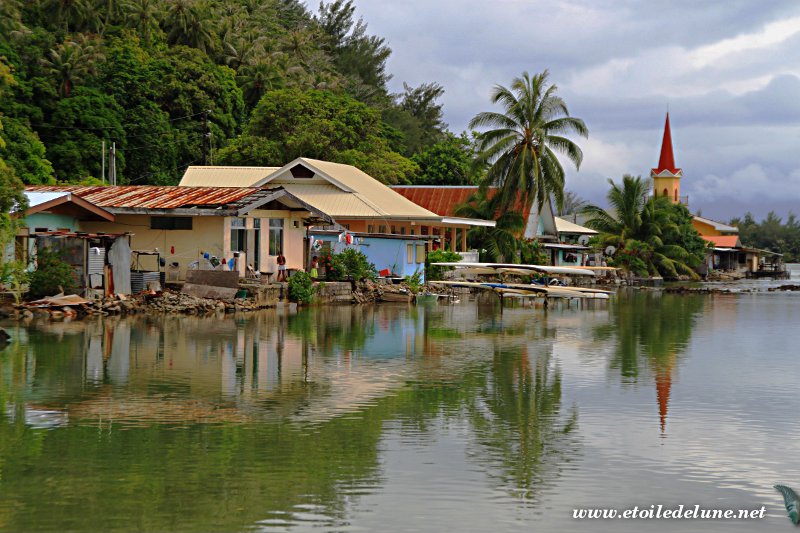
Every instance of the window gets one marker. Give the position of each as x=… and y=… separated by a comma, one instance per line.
x=171, y=223
x=381, y=229
x=666, y=192
x=275, y=236
x=420, y=253
x=409, y=253
x=394, y=230
x=370, y=228
x=237, y=222
x=403, y=230
x=413, y=231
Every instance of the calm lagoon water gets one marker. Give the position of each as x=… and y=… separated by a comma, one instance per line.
x=392, y=418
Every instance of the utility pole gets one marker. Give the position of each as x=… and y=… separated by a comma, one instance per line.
x=112, y=164
x=103, y=153
x=205, y=136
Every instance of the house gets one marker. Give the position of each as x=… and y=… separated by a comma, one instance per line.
x=189, y=227
x=57, y=220
x=558, y=236
x=391, y=230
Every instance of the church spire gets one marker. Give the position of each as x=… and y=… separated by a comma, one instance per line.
x=666, y=177
x=667, y=159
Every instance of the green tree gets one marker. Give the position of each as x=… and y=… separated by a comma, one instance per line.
x=520, y=148
x=143, y=16
x=80, y=123
x=25, y=153
x=448, y=162
x=360, y=57
x=500, y=243
x=650, y=233
x=71, y=62
x=68, y=14
x=189, y=22
x=290, y=123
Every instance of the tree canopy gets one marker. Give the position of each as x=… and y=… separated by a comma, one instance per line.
x=170, y=80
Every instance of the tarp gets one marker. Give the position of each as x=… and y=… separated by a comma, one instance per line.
x=119, y=257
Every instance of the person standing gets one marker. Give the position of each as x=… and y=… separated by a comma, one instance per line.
x=314, y=267
x=281, y=267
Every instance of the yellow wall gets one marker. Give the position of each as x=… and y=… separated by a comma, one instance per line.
x=705, y=229
x=209, y=234
x=672, y=185
x=206, y=235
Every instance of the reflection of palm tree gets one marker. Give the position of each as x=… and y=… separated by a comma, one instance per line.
x=654, y=329
x=516, y=414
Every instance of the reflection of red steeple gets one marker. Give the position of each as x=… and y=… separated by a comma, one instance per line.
x=663, y=386
x=667, y=160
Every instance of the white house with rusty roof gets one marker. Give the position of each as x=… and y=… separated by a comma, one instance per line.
x=189, y=226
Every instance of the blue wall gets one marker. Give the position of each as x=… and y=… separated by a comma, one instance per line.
x=383, y=253
x=51, y=221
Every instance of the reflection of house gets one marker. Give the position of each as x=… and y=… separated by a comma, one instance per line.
x=184, y=223
x=356, y=202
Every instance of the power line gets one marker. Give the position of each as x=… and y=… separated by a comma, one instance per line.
x=102, y=128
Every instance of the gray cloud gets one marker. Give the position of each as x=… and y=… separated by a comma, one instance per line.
x=728, y=71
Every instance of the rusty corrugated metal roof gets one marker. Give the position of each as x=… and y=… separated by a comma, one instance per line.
x=440, y=200
x=153, y=196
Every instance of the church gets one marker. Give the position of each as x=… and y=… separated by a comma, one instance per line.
x=726, y=251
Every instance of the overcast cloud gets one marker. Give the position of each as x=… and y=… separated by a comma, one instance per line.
x=728, y=71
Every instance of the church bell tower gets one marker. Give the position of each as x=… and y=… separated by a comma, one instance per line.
x=666, y=177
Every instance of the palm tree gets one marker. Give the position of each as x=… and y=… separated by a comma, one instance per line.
x=190, y=23
x=143, y=16
x=636, y=225
x=520, y=149
x=67, y=12
x=256, y=79
x=501, y=242
x=572, y=204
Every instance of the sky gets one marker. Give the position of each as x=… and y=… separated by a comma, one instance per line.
x=728, y=72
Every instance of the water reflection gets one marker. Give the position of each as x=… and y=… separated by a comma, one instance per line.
x=651, y=330
x=194, y=424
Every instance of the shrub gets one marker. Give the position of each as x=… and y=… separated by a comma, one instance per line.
x=414, y=282
x=350, y=264
x=440, y=256
x=301, y=288
x=52, y=275
x=532, y=253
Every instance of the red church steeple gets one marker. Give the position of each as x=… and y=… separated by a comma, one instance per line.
x=666, y=178
x=667, y=159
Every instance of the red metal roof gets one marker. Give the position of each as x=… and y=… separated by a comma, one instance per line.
x=441, y=200
x=667, y=159
x=724, y=241
x=152, y=196
x=444, y=200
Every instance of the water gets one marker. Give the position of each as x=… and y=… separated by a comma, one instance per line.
x=391, y=418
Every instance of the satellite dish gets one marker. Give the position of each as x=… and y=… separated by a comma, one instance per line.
x=583, y=240
x=610, y=250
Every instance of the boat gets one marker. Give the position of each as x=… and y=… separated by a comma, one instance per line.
x=426, y=298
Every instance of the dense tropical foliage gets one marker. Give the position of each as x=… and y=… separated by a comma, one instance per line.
x=174, y=82
x=772, y=233
x=652, y=236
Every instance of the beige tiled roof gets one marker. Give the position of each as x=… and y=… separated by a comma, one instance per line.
x=565, y=226
x=224, y=176
x=350, y=192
